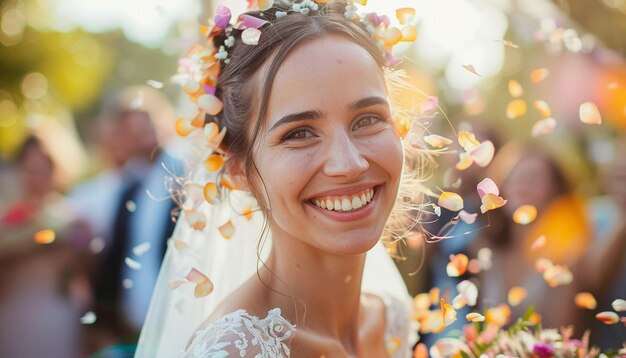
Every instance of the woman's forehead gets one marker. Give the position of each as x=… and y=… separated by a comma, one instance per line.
x=324, y=72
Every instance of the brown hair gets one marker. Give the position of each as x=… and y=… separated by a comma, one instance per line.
x=246, y=79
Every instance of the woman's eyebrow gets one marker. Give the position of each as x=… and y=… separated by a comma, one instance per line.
x=296, y=117
x=367, y=102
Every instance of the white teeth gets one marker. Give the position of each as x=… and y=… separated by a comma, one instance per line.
x=345, y=203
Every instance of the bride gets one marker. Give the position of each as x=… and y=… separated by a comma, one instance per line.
x=312, y=132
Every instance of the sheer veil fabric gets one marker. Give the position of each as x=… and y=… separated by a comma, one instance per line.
x=175, y=314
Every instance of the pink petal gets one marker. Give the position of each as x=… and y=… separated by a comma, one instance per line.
x=222, y=16
x=467, y=217
x=429, y=105
x=251, y=22
x=483, y=154
x=487, y=186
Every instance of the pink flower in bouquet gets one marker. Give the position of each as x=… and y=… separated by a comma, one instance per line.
x=543, y=350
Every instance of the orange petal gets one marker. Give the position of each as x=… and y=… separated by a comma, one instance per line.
x=538, y=243
x=525, y=214
x=195, y=219
x=543, y=108
x=543, y=126
x=516, y=295
x=448, y=313
x=474, y=317
x=483, y=154
x=516, y=108
x=471, y=69
x=465, y=161
x=247, y=213
x=198, y=120
x=585, y=300
x=210, y=192
x=390, y=36
x=227, y=230
x=214, y=163
x=608, y=317
x=204, y=286
x=534, y=319
x=498, y=316
x=405, y=14
x=468, y=141
x=589, y=113
x=450, y=201
x=437, y=141
x=409, y=33
x=46, y=236
x=228, y=183
x=421, y=351
x=619, y=305
x=210, y=104
x=214, y=143
x=184, y=127
x=457, y=265
x=491, y=202
x=433, y=293
x=515, y=89
x=557, y=275
x=422, y=302
x=539, y=75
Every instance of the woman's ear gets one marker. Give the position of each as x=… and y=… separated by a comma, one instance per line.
x=234, y=169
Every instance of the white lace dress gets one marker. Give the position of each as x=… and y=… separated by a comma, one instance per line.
x=239, y=334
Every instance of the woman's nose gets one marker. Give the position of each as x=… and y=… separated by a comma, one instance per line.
x=344, y=158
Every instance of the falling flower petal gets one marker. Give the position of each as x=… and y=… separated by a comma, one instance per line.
x=265, y=4
x=542, y=264
x=132, y=263
x=154, y=84
x=543, y=126
x=409, y=33
x=141, y=249
x=468, y=141
x=608, y=317
x=558, y=275
x=210, y=192
x=227, y=230
x=204, y=286
x=510, y=44
x=174, y=284
x=390, y=36
x=538, y=243
x=180, y=245
x=491, y=202
x=539, y=75
x=471, y=69
x=46, y=236
x=429, y=105
x=422, y=301
x=498, y=316
x=421, y=351
x=474, y=317
x=214, y=163
x=433, y=293
x=251, y=36
x=516, y=295
x=222, y=16
x=484, y=258
x=619, y=305
x=457, y=265
x=437, y=141
x=251, y=22
x=483, y=154
x=487, y=186
x=448, y=312
x=228, y=183
x=585, y=300
x=589, y=113
x=393, y=345
x=195, y=218
x=465, y=161
x=474, y=266
x=525, y=214
x=127, y=283
x=543, y=108
x=516, y=108
x=96, y=245
x=467, y=217
x=405, y=14
x=450, y=201
x=247, y=213
x=88, y=318
x=183, y=126
x=210, y=104
x=468, y=290
x=515, y=89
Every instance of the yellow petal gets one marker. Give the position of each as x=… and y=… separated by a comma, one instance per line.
x=393, y=345
x=184, y=127
x=589, y=113
x=516, y=108
x=558, y=275
x=214, y=163
x=468, y=140
x=228, y=183
x=515, y=89
x=483, y=154
x=405, y=14
x=46, y=236
x=525, y=214
x=585, y=300
x=474, y=317
x=265, y=4
x=539, y=75
x=465, y=161
x=433, y=293
x=457, y=265
x=227, y=230
x=402, y=127
x=247, y=213
x=195, y=219
x=543, y=126
x=448, y=313
x=516, y=295
x=360, y=2
x=422, y=302
x=542, y=264
x=390, y=36
x=491, y=202
x=210, y=192
x=608, y=317
x=409, y=33
x=543, y=108
x=619, y=305
x=498, y=316
x=451, y=201
x=437, y=141
x=538, y=243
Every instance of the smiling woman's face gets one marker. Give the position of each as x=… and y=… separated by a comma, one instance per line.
x=328, y=154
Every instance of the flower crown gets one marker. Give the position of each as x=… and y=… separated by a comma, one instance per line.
x=199, y=69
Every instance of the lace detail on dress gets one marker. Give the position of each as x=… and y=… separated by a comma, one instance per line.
x=241, y=334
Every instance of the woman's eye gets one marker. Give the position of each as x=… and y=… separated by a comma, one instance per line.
x=366, y=121
x=300, y=133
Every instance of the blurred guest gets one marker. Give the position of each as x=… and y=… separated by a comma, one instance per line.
x=43, y=282
x=530, y=175
x=142, y=214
